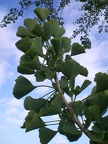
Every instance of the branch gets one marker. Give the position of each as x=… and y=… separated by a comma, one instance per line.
x=76, y=120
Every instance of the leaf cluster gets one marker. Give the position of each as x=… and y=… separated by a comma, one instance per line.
x=47, y=54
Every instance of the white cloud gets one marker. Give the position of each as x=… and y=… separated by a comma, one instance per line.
x=9, y=55
x=60, y=140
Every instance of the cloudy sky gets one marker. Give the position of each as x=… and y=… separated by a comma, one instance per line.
x=12, y=113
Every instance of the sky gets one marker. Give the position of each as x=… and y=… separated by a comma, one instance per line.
x=12, y=113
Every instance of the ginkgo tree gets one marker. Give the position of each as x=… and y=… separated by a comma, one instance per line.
x=48, y=55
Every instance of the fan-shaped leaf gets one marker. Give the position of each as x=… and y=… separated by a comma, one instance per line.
x=38, y=31
x=36, y=48
x=34, y=104
x=33, y=121
x=30, y=23
x=101, y=82
x=71, y=68
x=77, y=49
x=42, y=13
x=27, y=65
x=54, y=108
x=46, y=134
x=23, y=32
x=22, y=87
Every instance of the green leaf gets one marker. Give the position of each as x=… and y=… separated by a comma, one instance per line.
x=30, y=23
x=87, y=123
x=104, y=123
x=93, y=112
x=48, y=73
x=57, y=44
x=105, y=139
x=96, y=136
x=48, y=29
x=24, y=44
x=33, y=121
x=101, y=80
x=103, y=102
x=77, y=49
x=78, y=108
x=27, y=65
x=23, y=32
x=61, y=45
x=34, y=104
x=46, y=134
x=71, y=68
x=36, y=48
x=96, y=128
x=63, y=82
x=40, y=75
x=72, y=82
x=22, y=87
x=85, y=84
x=71, y=132
x=60, y=32
x=42, y=13
x=54, y=108
x=38, y=31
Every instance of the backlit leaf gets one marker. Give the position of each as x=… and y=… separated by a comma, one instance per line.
x=23, y=32
x=36, y=48
x=24, y=44
x=38, y=31
x=42, y=13
x=30, y=23
x=27, y=65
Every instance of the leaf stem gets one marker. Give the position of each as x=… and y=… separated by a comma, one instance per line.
x=44, y=86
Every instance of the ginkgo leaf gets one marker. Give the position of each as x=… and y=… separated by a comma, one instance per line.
x=101, y=80
x=77, y=49
x=36, y=48
x=30, y=23
x=22, y=87
x=42, y=13
x=23, y=32
x=71, y=68
x=46, y=134
x=33, y=121
x=54, y=108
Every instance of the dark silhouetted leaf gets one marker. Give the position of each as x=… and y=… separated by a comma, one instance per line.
x=71, y=68
x=22, y=87
x=34, y=104
x=77, y=49
x=33, y=121
x=54, y=108
x=101, y=80
x=46, y=134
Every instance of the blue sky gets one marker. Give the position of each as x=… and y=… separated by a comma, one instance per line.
x=12, y=113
